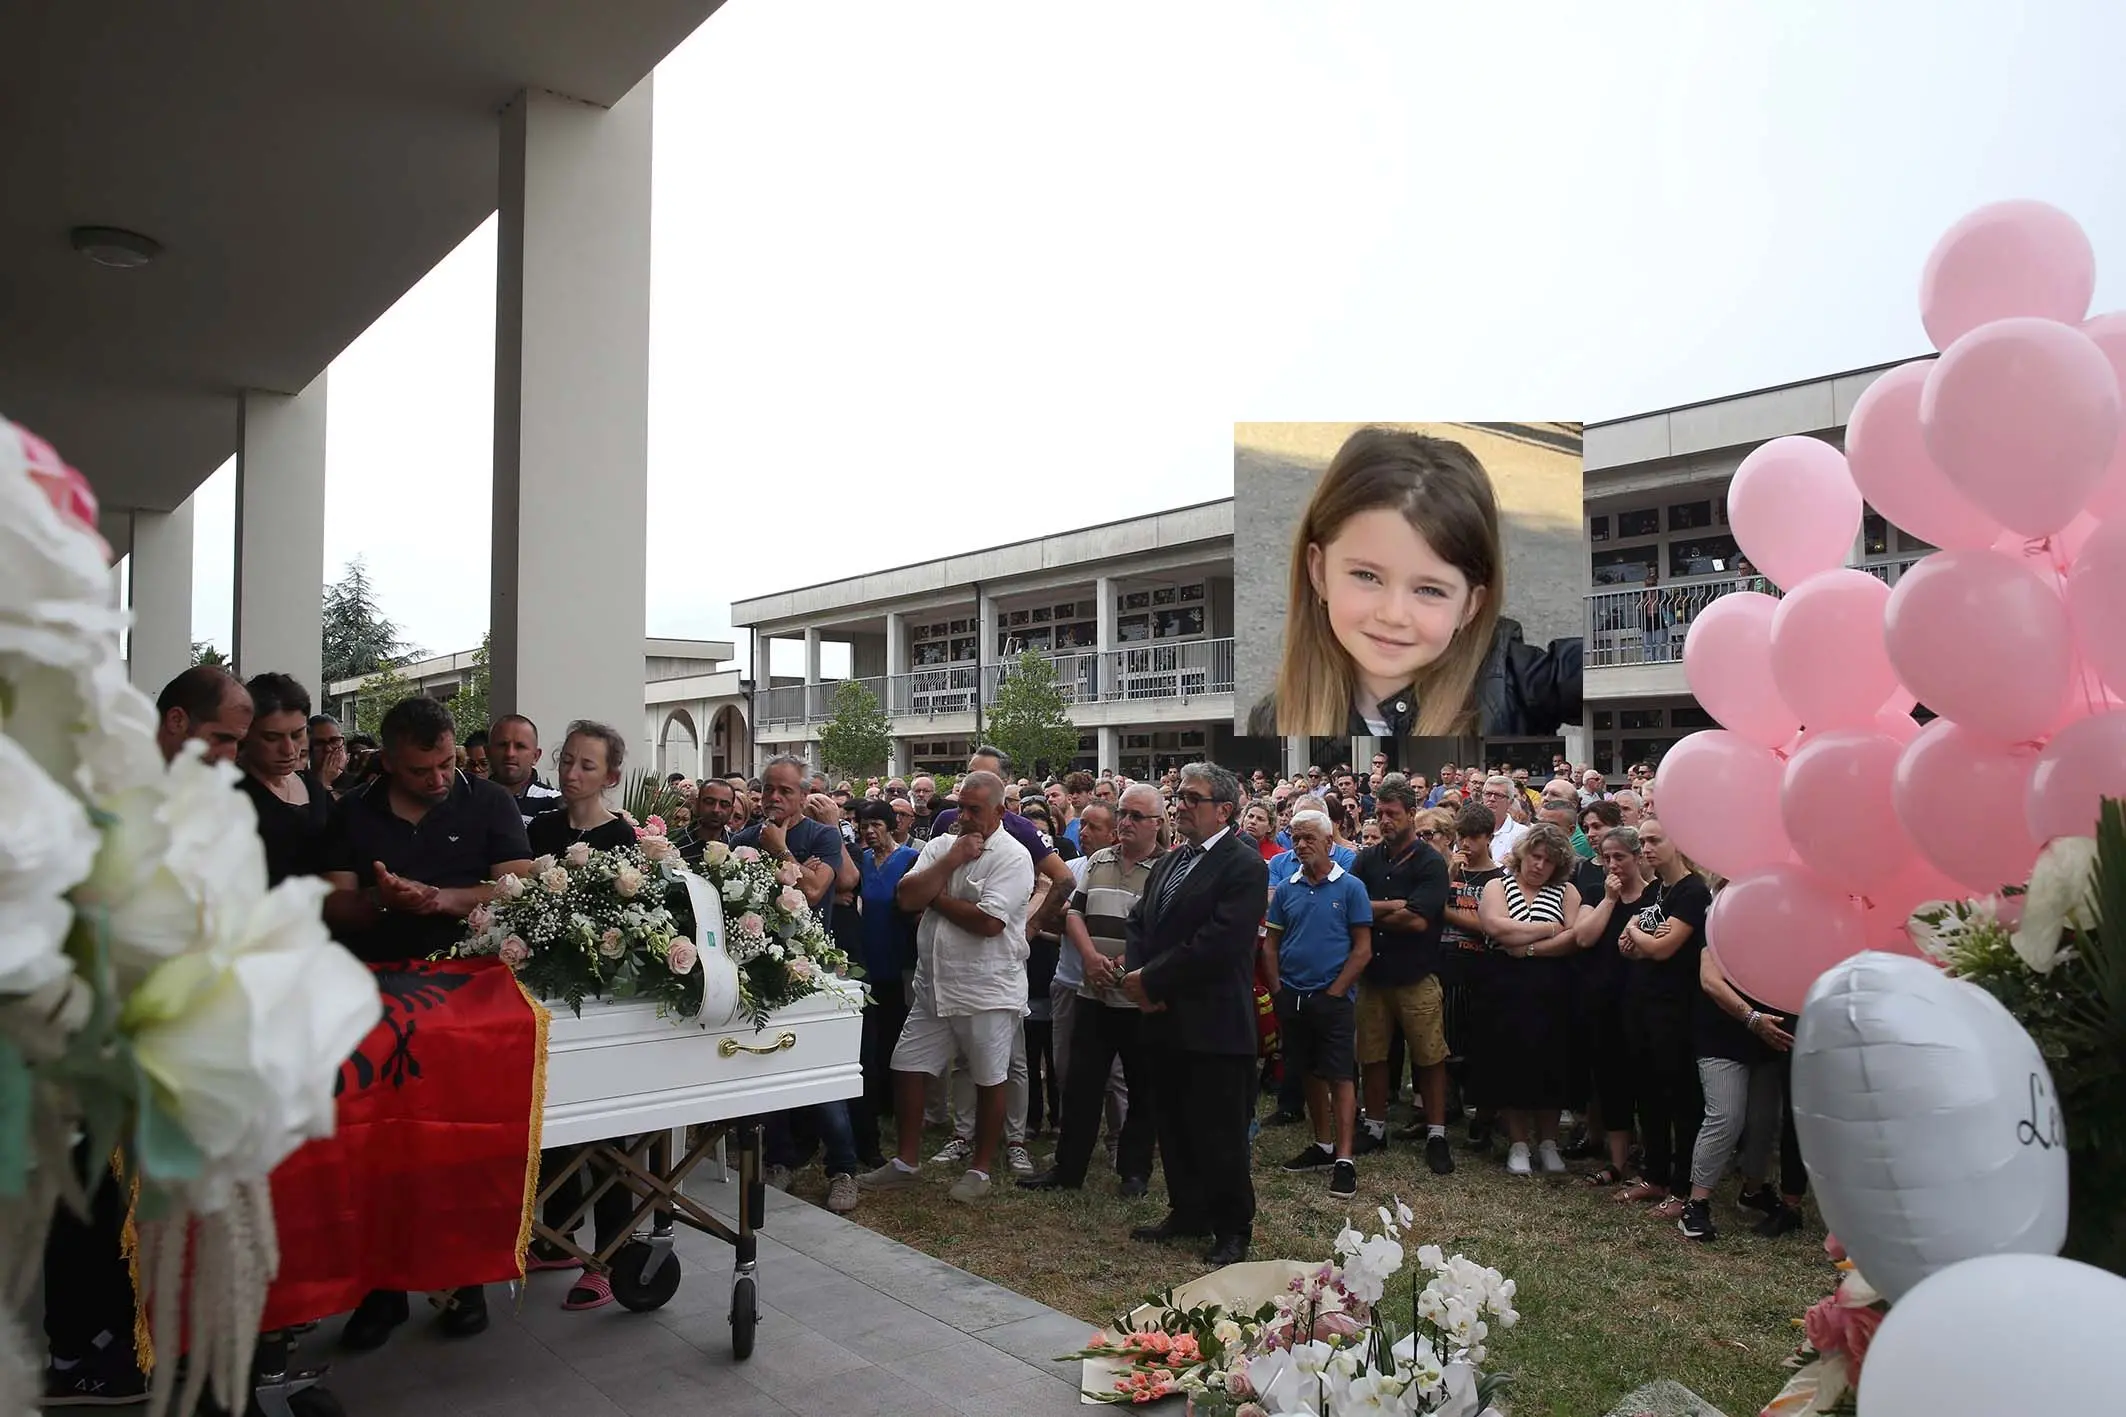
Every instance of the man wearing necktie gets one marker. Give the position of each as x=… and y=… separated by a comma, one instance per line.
x=1191, y=956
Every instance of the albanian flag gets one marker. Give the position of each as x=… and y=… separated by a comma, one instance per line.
x=428, y=1182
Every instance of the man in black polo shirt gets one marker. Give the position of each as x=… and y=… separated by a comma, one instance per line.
x=513, y=761
x=408, y=857
x=1407, y=881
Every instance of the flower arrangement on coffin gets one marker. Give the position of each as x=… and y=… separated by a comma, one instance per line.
x=1333, y=1341
x=623, y=924
x=2049, y=956
x=162, y=1013
x=1838, y=1330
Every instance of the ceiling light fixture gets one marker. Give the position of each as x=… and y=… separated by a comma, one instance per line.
x=114, y=246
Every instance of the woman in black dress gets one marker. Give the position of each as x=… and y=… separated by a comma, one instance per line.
x=1528, y=913
x=293, y=805
x=1599, y=997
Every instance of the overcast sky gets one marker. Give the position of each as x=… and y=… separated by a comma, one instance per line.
x=1034, y=261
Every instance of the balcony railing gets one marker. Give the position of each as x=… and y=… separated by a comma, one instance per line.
x=1648, y=624
x=1176, y=671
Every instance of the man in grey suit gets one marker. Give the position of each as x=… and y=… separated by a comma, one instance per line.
x=1191, y=957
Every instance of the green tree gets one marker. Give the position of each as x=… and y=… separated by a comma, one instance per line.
x=468, y=706
x=1028, y=718
x=377, y=696
x=358, y=638
x=204, y=652
x=856, y=738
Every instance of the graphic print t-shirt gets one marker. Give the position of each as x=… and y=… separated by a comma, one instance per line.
x=1673, y=981
x=1464, y=893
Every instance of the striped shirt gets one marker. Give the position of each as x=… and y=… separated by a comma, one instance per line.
x=537, y=799
x=1548, y=907
x=1109, y=890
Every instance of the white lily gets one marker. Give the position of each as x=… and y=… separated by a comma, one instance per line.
x=2062, y=895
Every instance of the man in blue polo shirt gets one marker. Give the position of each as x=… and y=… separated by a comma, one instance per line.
x=1285, y=864
x=1317, y=940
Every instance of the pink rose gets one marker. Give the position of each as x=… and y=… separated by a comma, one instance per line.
x=1860, y=1326
x=578, y=854
x=791, y=899
x=514, y=952
x=789, y=873
x=1832, y=1248
x=1827, y=1323
x=747, y=854
x=658, y=848
x=611, y=944
x=480, y=920
x=751, y=924
x=681, y=957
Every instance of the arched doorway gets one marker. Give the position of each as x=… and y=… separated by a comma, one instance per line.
x=729, y=752
x=678, y=745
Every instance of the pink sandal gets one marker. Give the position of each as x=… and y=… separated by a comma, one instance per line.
x=541, y=1258
x=592, y=1291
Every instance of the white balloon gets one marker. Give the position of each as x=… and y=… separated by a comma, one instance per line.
x=1927, y=1120
x=2019, y=1334
x=719, y=972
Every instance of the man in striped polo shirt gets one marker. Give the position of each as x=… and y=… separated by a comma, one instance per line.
x=1107, y=1022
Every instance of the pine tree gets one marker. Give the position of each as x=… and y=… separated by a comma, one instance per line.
x=358, y=639
x=856, y=739
x=204, y=652
x=1029, y=719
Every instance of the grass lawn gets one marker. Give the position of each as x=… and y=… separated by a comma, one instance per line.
x=1610, y=1298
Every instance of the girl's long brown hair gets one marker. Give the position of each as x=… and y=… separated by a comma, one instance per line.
x=1444, y=493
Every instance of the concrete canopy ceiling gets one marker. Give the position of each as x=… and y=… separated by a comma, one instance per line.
x=302, y=164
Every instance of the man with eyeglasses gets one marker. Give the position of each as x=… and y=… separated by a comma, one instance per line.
x=1190, y=956
x=328, y=750
x=1497, y=794
x=904, y=822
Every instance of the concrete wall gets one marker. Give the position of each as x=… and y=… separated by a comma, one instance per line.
x=1275, y=468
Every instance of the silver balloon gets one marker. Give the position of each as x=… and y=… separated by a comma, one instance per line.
x=1927, y=1120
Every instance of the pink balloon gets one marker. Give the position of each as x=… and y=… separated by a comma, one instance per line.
x=1835, y=805
x=1886, y=911
x=2023, y=416
x=1828, y=657
x=2108, y=332
x=2006, y=258
x=1776, y=930
x=1727, y=661
x=1983, y=640
x=1963, y=800
x=1898, y=723
x=2096, y=603
x=1891, y=467
x=2049, y=553
x=1720, y=802
x=1794, y=509
x=2084, y=763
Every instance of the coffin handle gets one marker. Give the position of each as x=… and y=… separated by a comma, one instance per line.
x=731, y=1046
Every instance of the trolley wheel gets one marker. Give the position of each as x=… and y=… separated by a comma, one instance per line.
x=631, y=1289
x=745, y=1316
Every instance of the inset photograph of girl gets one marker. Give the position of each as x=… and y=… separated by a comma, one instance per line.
x=1408, y=579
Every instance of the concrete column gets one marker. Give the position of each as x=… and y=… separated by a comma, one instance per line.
x=1104, y=641
x=896, y=661
x=280, y=534
x=811, y=655
x=572, y=367
x=897, y=757
x=1579, y=746
x=704, y=734
x=160, y=646
x=1110, y=747
x=1295, y=755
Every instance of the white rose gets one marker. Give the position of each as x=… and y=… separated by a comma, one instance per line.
x=713, y=854
x=46, y=848
x=541, y=865
x=2062, y=896
x=510, y=887
x=578, y=854
x=244, y=1043
x=554, y=879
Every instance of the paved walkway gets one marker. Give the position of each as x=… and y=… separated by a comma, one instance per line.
x=852, y=1325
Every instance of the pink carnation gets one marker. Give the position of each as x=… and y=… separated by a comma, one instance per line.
x=681, y=957
x=514, y=951
x=654, y=826
x=1830, y=1327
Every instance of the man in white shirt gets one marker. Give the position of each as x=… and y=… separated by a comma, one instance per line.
x=1499, y=792
x=968, y=997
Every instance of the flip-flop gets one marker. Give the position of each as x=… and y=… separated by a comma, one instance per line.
x=1638, y=1192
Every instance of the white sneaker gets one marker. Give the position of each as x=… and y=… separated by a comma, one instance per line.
x=889, y=1177
x=970, y=1188
x=1517, y=1159
x=958, y=1149
x=1547, y=1153
x=1019, y=1160
x=841, y=1193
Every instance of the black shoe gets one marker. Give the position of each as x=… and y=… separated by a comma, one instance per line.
x=1439, y=1156
x=1049, y=1180
x=1132, y=1187
x=1783, y=1221
x=1764, y=1200
x=1282, y=1118
x=370, y=1326
x=1166, y=1231
x=1225, y=1250
x=1343, y=1180
x=1315, y=1157
x=1369, y=1141
x=1697, y=1221
x=1479, y=1136
x=107, y=1379
x=466, y=1314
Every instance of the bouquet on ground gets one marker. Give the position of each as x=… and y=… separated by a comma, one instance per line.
x=2050, y=957
x=1838, y=1330
x=634, y=923
x=1338, y=1339
x=163, y=1014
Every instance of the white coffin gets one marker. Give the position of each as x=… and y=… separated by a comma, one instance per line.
x=620, y=1069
